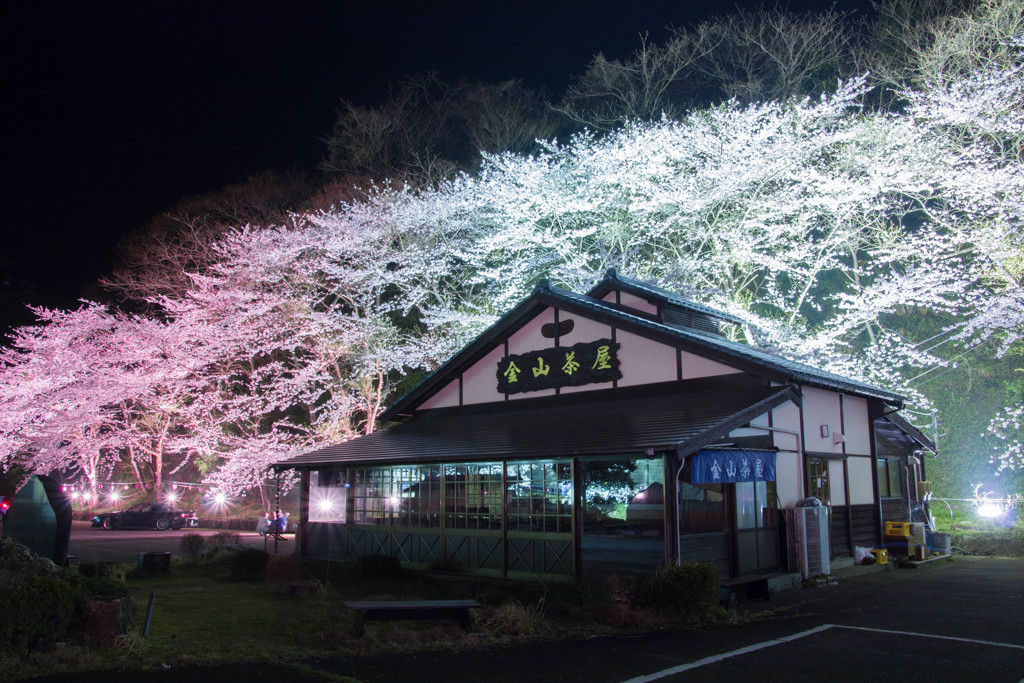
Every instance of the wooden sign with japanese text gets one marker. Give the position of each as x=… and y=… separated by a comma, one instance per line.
x=561, y=366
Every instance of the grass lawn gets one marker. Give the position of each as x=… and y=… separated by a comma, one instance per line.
x=203, y=614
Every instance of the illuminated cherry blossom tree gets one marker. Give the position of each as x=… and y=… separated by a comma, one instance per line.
x=84, y=387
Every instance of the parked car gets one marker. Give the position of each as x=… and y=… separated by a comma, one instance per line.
x=160, y=516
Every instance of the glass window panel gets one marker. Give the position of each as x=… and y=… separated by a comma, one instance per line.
x=327, y=496
x=418, y=489
x=370, y=494
x=765, y=493
x=473, y=496
x=882, y=474
x=817, y=480
x=746, y=505
x=701, y=508
x=539, y=496
x=895, y=490
x=624, y=495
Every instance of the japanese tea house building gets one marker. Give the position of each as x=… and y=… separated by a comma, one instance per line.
x=611, y=432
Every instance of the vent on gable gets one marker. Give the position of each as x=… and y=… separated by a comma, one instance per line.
x=684, y=319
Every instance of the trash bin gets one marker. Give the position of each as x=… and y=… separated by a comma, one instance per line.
x=939, y=543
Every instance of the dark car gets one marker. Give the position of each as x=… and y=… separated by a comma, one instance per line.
x=160, y=516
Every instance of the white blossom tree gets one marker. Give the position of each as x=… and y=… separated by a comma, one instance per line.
x=310, y=329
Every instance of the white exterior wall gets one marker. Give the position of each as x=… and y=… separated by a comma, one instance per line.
x=633, y=301
x=821, y=407
x=446, y=398
x=855, y=426
x=837, y=482
x=695, y=366
x=789, y=478
x=787, y=417
x=480, y=382
x=861, y=487
x=643, y=361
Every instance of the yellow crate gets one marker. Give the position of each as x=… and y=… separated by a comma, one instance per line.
x=897, y=528
x=881, y=555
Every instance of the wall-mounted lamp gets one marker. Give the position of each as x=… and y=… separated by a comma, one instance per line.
x=838, y=438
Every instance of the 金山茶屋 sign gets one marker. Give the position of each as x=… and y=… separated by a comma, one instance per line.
x=561, y=366
x=728, y=467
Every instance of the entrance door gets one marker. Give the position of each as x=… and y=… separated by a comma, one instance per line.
x=757, y=542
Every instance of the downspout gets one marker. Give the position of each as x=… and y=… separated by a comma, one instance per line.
x=906, y=473
x=911, y=461
x=679, y=545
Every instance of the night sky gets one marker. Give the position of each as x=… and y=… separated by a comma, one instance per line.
x=117, y=110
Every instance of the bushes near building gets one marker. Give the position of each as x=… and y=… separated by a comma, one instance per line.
x=685, y=593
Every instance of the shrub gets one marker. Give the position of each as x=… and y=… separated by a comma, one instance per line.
x=99, y=587
x=249, y=564
x=514, y=618
x=223, y=538
x=684, y=593
x=378, y=566
x=36, y=609
x=115, y=571
x=192, y=545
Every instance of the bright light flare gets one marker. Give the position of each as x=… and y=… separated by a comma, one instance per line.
x=115, y=496
x=990, y=510
x=220, y=502
x=327, y=504
x=172, y=497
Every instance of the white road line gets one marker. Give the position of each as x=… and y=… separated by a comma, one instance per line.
x=714, y=659
x=930, y=635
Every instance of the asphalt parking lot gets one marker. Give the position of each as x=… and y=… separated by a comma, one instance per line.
x=953, y=620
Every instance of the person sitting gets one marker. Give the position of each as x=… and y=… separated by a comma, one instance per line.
x=281, y=521
x=263, y=524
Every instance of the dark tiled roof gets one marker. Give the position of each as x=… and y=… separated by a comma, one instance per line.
x=613, y=280
x=596, y=424
x=797, y=372
x=719, y=348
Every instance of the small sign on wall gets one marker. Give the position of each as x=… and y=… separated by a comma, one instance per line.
x=561, y=366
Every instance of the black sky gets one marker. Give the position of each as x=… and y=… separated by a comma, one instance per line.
x=114, y=111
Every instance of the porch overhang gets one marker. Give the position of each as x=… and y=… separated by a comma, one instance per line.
x=589, y=425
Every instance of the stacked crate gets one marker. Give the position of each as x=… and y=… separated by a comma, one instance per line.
x=898, y=539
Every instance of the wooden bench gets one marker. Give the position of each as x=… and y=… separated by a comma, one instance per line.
x=397, y=610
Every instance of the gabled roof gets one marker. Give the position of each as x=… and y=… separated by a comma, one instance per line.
x=911, y=431
x=613, y=281
x=713, y=346
x=592, y=425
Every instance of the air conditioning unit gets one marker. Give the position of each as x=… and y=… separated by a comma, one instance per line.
x=807, y=531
